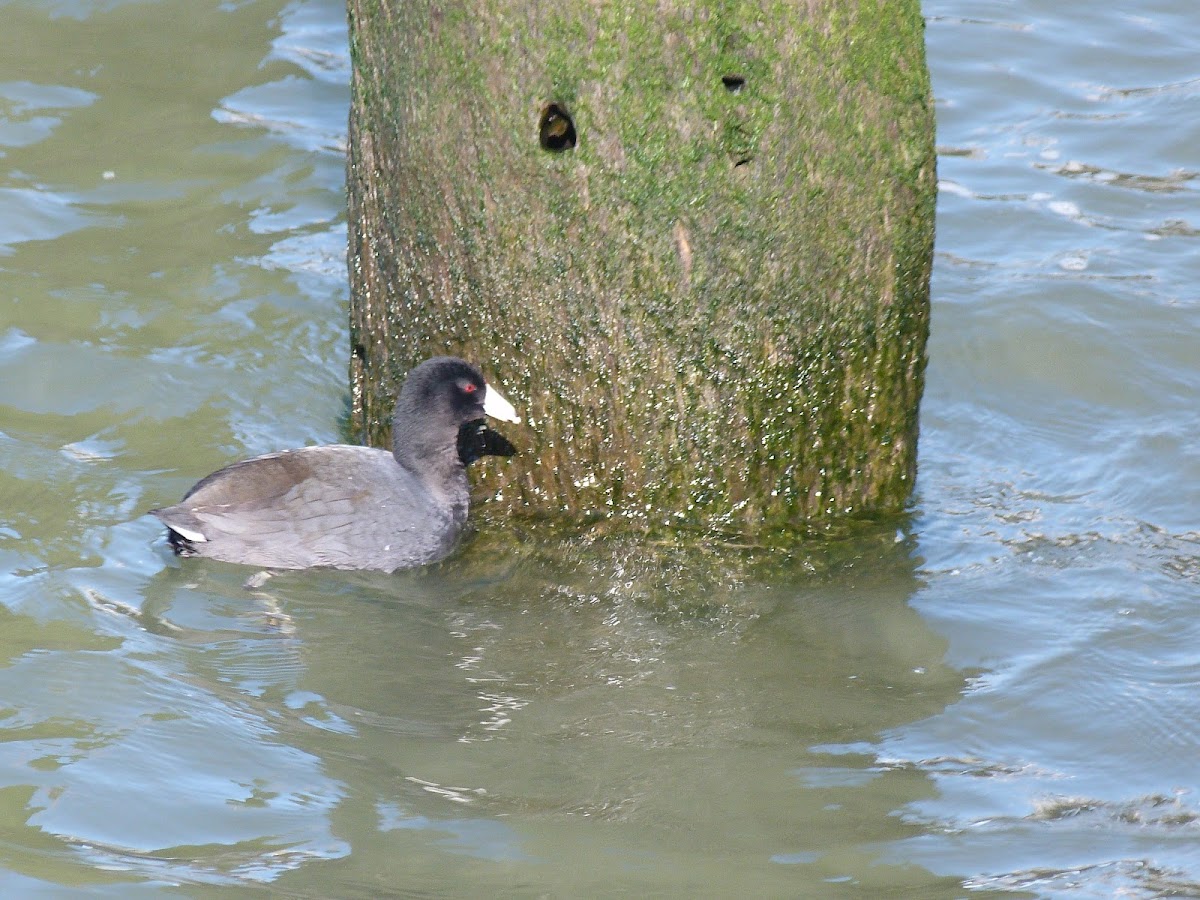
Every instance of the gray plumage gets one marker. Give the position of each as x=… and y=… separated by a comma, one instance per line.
x=348, y=507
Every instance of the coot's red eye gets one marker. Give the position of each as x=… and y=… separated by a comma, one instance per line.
x=470, y=387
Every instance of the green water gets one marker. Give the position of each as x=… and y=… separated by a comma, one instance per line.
x=994, y=695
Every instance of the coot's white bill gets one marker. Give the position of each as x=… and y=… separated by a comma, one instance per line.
x=497, y=407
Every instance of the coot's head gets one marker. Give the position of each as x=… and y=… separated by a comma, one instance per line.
x=441, y=407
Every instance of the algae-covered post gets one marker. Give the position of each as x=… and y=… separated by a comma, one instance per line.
x=692, y=239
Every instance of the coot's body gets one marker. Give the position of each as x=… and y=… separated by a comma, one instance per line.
x=350, y=507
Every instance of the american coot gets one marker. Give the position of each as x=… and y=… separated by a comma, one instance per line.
x=351, y=507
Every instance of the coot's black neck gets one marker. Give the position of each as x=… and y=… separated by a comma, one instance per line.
x=426, y=452
x=476, y=440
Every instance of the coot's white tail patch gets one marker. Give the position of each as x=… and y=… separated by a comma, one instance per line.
x=187, y=534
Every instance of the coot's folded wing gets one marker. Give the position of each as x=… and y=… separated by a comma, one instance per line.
x=295, y=509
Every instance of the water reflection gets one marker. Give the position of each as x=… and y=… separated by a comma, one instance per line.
x=114, y=787
x=504, y=711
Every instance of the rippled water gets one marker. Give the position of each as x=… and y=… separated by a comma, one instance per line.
x=1060, y=493
x=999, y=699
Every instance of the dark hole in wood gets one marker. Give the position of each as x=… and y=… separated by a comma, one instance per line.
x=556, y=131
x=733, y=83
